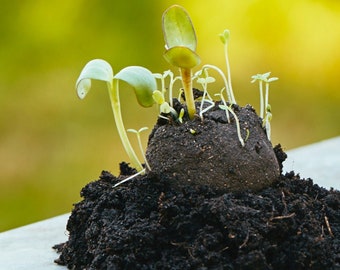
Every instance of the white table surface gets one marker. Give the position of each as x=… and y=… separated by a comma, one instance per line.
x=30, y=247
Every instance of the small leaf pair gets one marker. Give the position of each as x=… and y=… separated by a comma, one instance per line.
x=140, y=78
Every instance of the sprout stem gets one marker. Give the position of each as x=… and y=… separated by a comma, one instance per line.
x=230, y=94
x=129, y=178
x=232, y=98
x=115, y=104
x=189, y=96
x=267, y=95
x=137, y=132
x=262, y=106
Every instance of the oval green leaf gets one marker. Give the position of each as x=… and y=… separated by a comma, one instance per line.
x=225, y=36
x=96, y=69
x=182, y=57
x=178, y=29
x=143, y=82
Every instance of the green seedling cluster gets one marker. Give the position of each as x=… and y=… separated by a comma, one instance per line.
x=180, y=44
x=265, y=108
x=140, y=78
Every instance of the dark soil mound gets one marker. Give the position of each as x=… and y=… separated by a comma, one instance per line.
x=208, y=151
x=146, y=224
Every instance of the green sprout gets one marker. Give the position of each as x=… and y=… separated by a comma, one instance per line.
x=140, y=78
x=138, y=132
x=162, y=78
x=204, y=81
x=163, y=105
x=180, y=116
x=225, y=36
x=171, y=85
x=261, y=78
x=173, y=79
x=266, y=121
x=264, y=105
x=180, y=40
x=228, y=109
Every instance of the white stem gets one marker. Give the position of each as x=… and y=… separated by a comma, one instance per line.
x=129, y=178
x=267, y=95
x=237, y=126
x=230, y=94
x=115, y=103
x=228, y=72
x=261, y=100
x=142, y=151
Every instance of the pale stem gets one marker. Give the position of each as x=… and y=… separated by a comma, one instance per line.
x=204, y=94
x=232, y=100
x=230, y=94
x=267, y=94
x=142, y=151
x=261, y=100
x=237, y=126
x=129, y=178
x=189, y=96
x=115, y=103
x=225, y=104
x=268, y=130
x=171, y=84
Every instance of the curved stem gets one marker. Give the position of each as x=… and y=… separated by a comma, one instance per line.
x=230, y=94
x=189, y=96
x=115, y=103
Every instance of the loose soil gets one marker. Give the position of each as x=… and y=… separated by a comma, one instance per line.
x=153, y=222
x=145, y=224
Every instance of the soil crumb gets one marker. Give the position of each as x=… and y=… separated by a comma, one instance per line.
x=145, y=224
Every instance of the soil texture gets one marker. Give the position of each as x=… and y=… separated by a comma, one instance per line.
x=147, y=224
x=207, y=150
x=207, y=203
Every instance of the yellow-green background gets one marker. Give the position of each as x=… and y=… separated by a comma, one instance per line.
x=52, y=144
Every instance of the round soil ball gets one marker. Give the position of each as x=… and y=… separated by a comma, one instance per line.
x=208, y=152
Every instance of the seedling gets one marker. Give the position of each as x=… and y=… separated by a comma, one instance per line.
x=140, y=78
x=267, y=120
x=261, y=78
x=138, y=132
x=163, y=105
x=181, y=43
x=264, y=105
x=180, y=116
x=204, y=81
x=225, y=36
x=180, y=40
x=228, y=109
x=162, y=77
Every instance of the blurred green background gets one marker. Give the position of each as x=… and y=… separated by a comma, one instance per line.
x=52, y=144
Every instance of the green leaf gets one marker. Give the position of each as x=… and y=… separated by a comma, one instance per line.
x=143, y=82
x=165, y=107
x=183, y=57
x=272, y=79
x=158, y=97
x=96, y=69
x=206, y=80
x=225, y=36
x=178, y=29
x=143, y=129
x=158, y=75
x=132, y=130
